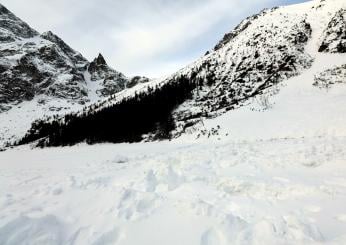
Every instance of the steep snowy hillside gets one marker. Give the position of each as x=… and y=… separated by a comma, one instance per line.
x=308, y=105
x=265, y=53
x=41, y=72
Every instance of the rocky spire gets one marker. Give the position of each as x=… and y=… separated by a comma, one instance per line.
x=97, y=64
x=100, y=60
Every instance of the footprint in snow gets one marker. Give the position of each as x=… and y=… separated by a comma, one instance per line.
x=136, y=205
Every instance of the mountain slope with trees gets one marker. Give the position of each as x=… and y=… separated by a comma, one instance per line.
x=263, y=51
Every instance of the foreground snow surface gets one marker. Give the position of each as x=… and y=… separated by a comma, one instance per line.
x=278, y=191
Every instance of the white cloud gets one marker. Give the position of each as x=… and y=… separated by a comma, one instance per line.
x=178, y=27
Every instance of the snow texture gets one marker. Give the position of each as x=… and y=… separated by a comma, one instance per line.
x=278, y=191
x=269, y=172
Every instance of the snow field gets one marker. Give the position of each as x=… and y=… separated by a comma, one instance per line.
x=279, y=191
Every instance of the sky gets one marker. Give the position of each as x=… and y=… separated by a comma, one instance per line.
x=140, y=37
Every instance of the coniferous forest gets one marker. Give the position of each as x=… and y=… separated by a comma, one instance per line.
x=126, y=121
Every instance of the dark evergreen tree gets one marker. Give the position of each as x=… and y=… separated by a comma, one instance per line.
x=125, y=121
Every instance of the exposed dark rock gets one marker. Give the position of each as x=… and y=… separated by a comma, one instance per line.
x=240, y=28
x=328, y=78
x=72, y=54
x=45, y=65
x=97, y=65
x=137, y=80
x=12, y=27
x=112, y=81
x=334, y=40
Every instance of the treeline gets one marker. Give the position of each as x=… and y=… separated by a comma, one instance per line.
x=126, y=121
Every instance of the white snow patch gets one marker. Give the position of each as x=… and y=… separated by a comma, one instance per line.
x=249, y=192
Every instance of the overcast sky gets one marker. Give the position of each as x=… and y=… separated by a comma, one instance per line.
x=145, y=37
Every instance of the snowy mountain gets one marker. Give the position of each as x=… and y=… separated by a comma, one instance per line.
x=260, y=157
x=41, y=72
x=251, y=63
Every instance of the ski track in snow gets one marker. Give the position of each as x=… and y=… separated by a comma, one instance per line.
x=279, y=191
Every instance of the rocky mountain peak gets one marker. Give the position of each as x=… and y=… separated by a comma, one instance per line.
x=75, y=56
x=100, y=60
x=3, y=10
x=50, y=36
x=98, y=64
x=112, y=81
x=12, y=27
x=36, y=65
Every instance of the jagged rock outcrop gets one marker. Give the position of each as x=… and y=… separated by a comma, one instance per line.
x=327, y=78
x=74, y=56
x=110, y=80
x=36, y=66
x=137, y=80
x=12, y=28
x=334, y=38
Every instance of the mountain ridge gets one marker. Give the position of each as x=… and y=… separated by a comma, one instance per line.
x=30, y=59
x=259, y=54
x=43, y=75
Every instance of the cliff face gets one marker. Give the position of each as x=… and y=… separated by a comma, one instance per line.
x=33, y=64
x=41, y=71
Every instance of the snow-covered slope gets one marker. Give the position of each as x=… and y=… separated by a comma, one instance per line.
x=41, y=73
x=275, y=54
x=269, y=171
x=310, y=104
